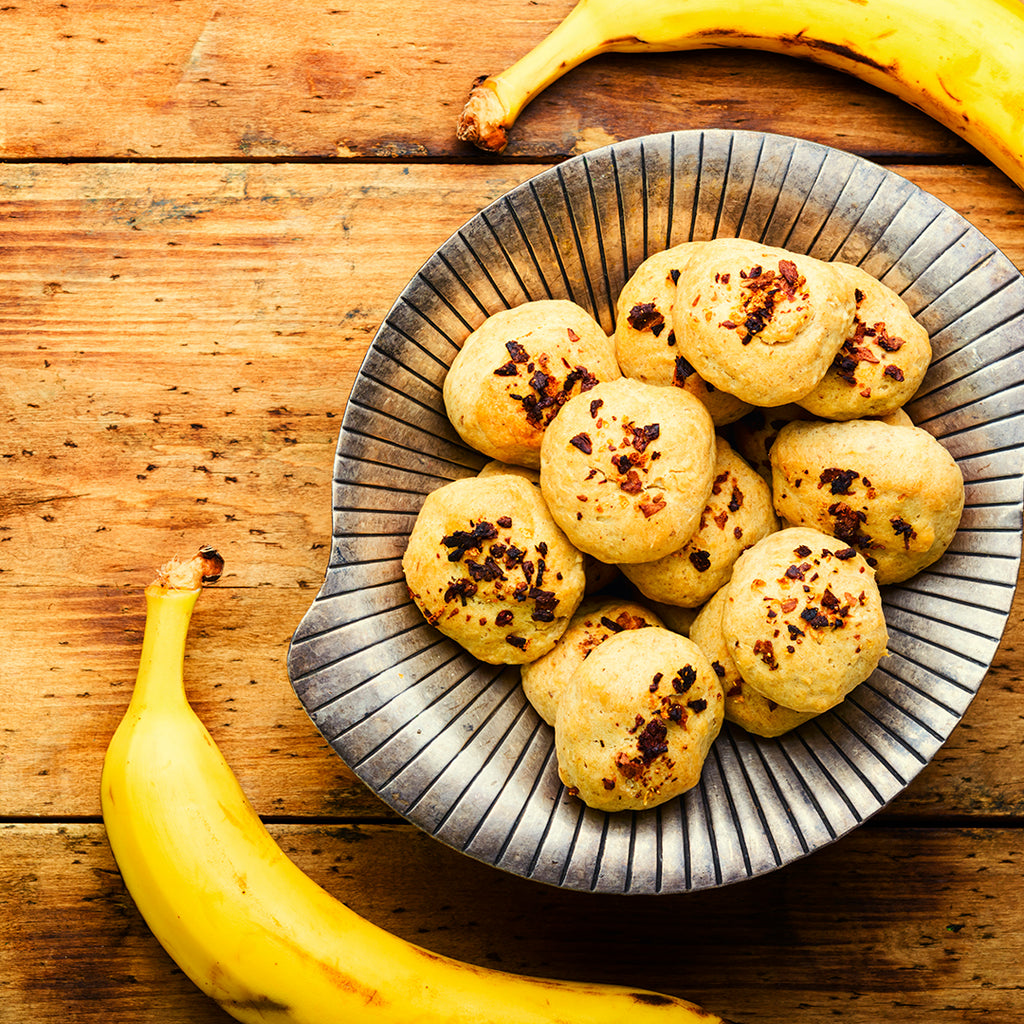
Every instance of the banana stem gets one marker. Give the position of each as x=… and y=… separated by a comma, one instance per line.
x=168, y=613
x=495, y=101
x=170, y=599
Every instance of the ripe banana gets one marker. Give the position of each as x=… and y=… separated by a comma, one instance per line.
x=243, y=921
x=960, y=61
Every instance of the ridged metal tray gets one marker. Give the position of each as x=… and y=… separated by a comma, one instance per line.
x=452, y=744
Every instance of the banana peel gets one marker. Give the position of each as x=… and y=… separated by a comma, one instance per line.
x=243, y=922
x=960, y=62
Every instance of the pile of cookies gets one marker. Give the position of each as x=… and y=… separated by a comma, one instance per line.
x=688, y=521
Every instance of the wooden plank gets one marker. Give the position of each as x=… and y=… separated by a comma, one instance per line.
x=179, y=345
x=887, y=925
x=198, y=79
x=136, y=429
x=180, y=340
x=68, y=686
x=72, y=655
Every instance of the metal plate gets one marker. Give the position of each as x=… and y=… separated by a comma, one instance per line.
x=452, y=744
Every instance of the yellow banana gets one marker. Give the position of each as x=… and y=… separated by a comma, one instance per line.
x=960, y=61
x=243, y=921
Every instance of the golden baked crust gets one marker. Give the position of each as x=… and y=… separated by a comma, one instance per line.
x=596, y=619
x=516, y=370
x=636, y=722
x=803, y=619
x=626, y=469
x=892, y=492
x=898, y=418
x=737, y=515
x=744, y=706
x=488, y=567
x=495, y=467
x=761, y=322
x=754, y=434
x=881, y=364
x=645, y=340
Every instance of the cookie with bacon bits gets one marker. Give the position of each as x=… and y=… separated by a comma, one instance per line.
x=761, y=322
x=744, y=706
x=737, y=515
x=645, y=340
x=488, y=567
x=636, y=722
x=599, y=574
x=596, y=619
x=514, y=373
x=803, y=619
x=881, y=364
x=892, y=492
x=627, y=468
x=754, y=434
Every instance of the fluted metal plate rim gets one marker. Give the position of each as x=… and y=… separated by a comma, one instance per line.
x=452, y=744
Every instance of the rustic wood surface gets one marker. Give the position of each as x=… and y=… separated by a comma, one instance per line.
x=206, y=209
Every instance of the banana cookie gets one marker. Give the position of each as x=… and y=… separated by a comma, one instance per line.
x=738, y=514
x=761, y=322
x=744, y=706
x=881, y=364
x=893, y=493
x=517, y=369
x=626, y=469
x=645, y=341
x=595, y=621
x=489, y=568
x=803, y=619
x=755, y=433
x=637, y=720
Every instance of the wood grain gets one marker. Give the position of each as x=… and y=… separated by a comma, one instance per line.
x=180, y=341
x=234, y=80
x=66, y=692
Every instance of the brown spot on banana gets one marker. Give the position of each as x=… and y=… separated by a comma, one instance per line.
x=484, y=121
x=257, y=1004
x=949, y=92
x=845, y=51
x=651, y=999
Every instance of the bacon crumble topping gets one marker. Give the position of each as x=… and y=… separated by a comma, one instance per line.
x=645, y=316
x=765, y=291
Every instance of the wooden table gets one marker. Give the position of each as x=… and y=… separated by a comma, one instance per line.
x=207, y=209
